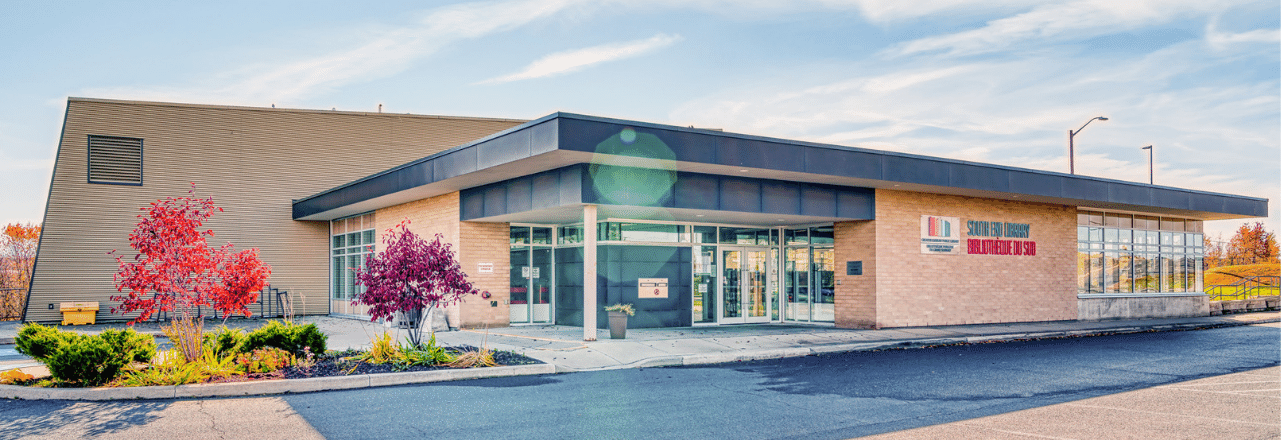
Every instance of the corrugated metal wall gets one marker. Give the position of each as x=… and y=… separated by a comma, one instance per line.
x=253, y=161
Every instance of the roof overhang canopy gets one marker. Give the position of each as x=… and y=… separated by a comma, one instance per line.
x=562, y=140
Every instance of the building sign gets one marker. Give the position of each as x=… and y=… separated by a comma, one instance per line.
x=853, y=267
x=529, y=272
x=940, y=235
x=995, y=245
x=651, y=288
x=485, y=267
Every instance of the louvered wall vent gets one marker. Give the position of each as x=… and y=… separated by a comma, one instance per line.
x=115, y=160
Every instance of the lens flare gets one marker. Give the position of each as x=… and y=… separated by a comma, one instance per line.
x=633, y=169
x=628, y=136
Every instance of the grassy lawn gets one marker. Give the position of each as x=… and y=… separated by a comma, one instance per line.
x=1219, y=280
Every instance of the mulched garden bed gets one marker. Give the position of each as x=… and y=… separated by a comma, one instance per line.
x=332, y=364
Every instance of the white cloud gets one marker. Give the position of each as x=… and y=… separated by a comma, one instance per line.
x=578, y=59
x=1015, y=110
x=891, y=11
x=388, y=52
x=1058, y=21
x=1221, y=40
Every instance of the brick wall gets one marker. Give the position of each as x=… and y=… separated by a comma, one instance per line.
x=485, y=242
x=915, y=289
x=856, y=294
x=902, y=287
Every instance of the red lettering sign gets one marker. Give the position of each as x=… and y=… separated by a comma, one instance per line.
x=1000, y=247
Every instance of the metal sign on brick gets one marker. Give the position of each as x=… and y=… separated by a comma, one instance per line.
x=652, y=288
x=940, y=235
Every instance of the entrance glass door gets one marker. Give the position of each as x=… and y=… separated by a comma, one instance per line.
x=531, y=285
x=744, y=287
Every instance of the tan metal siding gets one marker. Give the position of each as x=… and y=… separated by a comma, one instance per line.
x=253, y=161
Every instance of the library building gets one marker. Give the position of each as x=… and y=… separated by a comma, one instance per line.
x=557, y=217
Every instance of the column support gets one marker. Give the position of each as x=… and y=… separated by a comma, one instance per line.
x=589, y=272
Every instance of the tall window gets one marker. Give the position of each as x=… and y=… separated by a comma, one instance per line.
x=809, y=275
x=1122, y=253
x=351, y=243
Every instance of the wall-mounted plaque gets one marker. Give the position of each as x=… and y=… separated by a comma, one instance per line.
x=651, y=288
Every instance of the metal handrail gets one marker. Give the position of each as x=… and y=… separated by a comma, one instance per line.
x=1246, y=288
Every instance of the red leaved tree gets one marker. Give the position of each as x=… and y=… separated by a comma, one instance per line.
x=175, y=269
x=409, y=275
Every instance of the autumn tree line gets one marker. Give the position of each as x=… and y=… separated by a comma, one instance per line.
x=17, y=258
x=1251, y=244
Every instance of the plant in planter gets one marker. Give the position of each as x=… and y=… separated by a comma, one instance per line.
x=618, y=314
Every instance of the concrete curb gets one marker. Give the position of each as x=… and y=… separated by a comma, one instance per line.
x=753, y=355
x=287, y=386
x=268, y=387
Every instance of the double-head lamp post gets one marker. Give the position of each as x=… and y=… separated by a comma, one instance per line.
x=1072, y=147
x=1150, y=151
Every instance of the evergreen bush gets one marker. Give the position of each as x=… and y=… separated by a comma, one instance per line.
x=39, y=342
x=88, y=360
x=225, y=342
x=285, y=336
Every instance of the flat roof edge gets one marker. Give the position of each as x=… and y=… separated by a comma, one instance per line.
x=283, y=109
x=743, y=136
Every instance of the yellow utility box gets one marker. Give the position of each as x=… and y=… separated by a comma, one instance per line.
x=76, y=313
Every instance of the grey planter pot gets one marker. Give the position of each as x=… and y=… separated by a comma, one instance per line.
x=617, y=325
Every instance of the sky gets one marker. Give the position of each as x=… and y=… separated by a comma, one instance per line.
x=991, y=81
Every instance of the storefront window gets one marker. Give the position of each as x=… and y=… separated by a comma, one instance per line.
x=749, y=236
x=641, y=232
x=1153, y=255
x=704, y=234
x=570, y=235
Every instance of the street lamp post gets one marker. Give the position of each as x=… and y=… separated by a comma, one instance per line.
x=1072, y=146
x=1149, y=148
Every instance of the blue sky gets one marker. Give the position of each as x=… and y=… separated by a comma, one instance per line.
x=992, y=81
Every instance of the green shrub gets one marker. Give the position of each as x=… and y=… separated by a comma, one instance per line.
x=87, y=360
x=84, y=359
x=426, y=354
x=40, y=342
x=133, y=346
x=225, y=341
x=285, y=336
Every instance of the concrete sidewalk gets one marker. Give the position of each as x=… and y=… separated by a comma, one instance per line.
x=563, y=347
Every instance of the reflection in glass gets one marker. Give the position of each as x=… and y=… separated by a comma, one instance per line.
x=519, y=299
x=704, y=234
x=570, y=235
x=731, y=292
x=519, y=235
x=541, y=236
x=1111, y=272
x=755, y=303
x=540, y=285
x=796, y=284
x=824, y=309
x=704, y=283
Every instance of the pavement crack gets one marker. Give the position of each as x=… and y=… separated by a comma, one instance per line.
x=213, y=422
